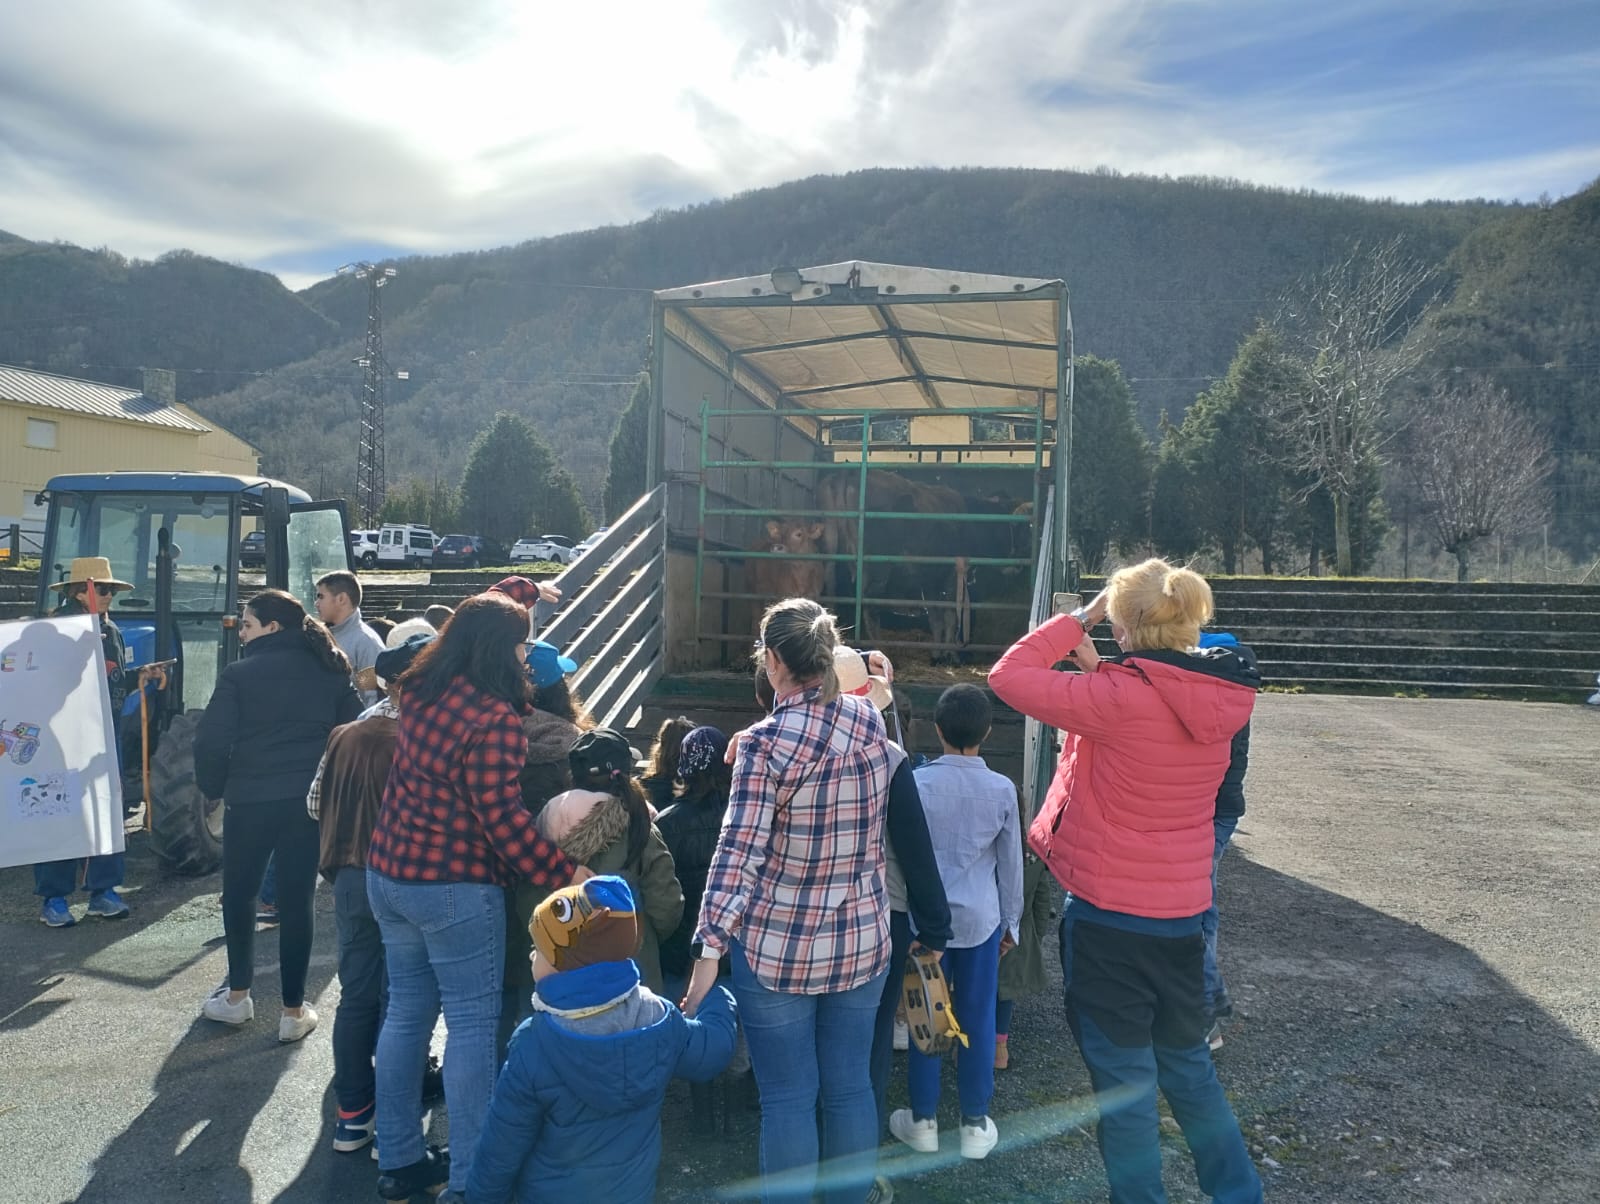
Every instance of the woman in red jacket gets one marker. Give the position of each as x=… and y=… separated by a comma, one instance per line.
x=1126, y=828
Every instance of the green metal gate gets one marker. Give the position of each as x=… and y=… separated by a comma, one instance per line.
x=960, y=459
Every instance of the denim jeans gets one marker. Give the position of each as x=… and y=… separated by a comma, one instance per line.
x=58, y=879
x=1125, y=1078
x=883, y=1025
x=445, y=946
x=1215, y=988
x=973, y=975
x=806, y=1049
x=363, y=986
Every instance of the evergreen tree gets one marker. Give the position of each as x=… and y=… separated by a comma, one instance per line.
x=559, y=507
x=626, y=471
x=1110, y=461
x=507, y=478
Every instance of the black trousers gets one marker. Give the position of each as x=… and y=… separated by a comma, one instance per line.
x=252, y=834
x=882, y=1057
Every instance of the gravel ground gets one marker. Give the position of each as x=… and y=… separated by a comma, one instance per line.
x=1409, y=932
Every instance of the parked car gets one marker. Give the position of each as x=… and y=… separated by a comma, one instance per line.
x=253, y=550
x=588, y=542
x=557, y=548
x=364, y=548
x=406, y=544
x=463, y=550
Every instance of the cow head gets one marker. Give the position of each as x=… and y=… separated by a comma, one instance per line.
x=792, y=536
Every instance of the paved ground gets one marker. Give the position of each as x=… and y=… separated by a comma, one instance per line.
x=1410, y=927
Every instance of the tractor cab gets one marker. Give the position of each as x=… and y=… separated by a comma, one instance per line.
x=175, y=537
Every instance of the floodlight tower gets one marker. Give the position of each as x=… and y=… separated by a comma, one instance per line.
x=369, y=451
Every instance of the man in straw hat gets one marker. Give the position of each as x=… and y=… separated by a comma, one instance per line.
x=90, y=588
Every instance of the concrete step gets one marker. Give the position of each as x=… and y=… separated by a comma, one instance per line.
x=1497, y=656
x=1577, y=677
x=1577, y=642
x=1402, y=619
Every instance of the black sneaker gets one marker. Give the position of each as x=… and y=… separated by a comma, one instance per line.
x=427, y=1175
x=432, y=1083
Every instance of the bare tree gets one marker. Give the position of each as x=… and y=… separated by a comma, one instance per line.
x=1351, y=331
x=1477, y=465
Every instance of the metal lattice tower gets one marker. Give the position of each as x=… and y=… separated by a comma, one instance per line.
x=369, y=451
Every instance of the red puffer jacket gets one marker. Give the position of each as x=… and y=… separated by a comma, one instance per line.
x=1127, y=822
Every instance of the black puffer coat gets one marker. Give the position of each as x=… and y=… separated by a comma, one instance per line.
x=268, y=722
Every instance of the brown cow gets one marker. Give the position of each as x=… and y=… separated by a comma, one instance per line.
x=942, y=587
x=771, y=580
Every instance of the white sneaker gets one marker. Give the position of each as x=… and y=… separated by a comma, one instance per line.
x=293, y=1028
x=978, y=1140
x=216, y=1007
x=920, y=1135
x=902, y=1034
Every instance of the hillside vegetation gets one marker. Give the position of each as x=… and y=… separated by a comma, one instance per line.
x=1168, y=277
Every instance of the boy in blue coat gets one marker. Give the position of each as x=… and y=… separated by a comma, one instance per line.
x=576, y=1114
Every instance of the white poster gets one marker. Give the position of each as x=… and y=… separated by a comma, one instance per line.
x=60, y=790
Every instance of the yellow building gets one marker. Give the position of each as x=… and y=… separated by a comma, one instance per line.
x=53, y=424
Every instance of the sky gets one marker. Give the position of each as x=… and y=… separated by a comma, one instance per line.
x=299, y=135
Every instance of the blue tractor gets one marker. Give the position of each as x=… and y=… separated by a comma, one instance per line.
x=176, y=536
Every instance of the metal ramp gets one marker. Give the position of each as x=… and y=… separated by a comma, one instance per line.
x=612, y=618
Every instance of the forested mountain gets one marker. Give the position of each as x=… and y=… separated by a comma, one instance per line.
x=1526, y=312
x=98, y=315
x=1167, y=277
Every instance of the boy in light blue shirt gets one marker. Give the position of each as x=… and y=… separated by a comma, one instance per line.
x=977, y=842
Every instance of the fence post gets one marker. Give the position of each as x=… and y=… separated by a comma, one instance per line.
x=14, y=544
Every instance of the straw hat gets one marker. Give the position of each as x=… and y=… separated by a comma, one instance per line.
x=91, y=568
x=851, y=668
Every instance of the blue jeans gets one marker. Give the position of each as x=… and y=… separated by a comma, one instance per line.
x=974, y=977
x=444, y=944
x=1125, y=1078
x=805, y=1049
x=1215, y=989
x=58, y=879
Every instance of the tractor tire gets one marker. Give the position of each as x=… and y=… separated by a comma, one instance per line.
x=185, y=826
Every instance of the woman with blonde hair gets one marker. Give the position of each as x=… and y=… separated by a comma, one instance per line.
x=796, y=901
x=1127, y=829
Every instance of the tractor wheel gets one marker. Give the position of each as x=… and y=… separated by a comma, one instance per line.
x=185, y=826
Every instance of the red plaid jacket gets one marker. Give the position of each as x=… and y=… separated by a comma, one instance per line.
x=452, y=809
x=798, y=875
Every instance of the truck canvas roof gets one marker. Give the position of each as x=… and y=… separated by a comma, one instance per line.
x=885, y=336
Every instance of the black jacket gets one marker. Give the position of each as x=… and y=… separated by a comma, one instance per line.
x=690, y=829
x=266, y=726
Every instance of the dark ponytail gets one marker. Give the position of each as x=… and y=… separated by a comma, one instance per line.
x=284, y=609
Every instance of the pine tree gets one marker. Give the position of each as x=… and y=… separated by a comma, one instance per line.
x=627, y=471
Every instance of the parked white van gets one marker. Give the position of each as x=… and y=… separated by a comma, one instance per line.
x=406, y=544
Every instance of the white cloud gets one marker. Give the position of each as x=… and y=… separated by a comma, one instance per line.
x=283, y=133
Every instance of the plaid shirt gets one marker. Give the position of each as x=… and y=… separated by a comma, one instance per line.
x=452, y=809
x=798, y=875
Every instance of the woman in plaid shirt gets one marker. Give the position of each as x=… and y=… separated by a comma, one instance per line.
x=451, y=834
x=796, y=900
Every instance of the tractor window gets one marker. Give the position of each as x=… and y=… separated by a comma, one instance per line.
x=123, y=528
x=318, y=544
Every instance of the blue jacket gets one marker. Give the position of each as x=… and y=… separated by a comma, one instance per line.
x=576, y=1114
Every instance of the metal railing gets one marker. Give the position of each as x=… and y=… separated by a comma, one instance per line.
x=612, y=619
x=1038, y=739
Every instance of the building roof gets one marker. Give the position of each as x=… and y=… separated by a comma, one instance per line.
x=52, y=392
x=882, y=336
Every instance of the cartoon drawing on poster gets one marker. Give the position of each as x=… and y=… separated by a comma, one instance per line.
x=60, y=786
x=42, y=798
